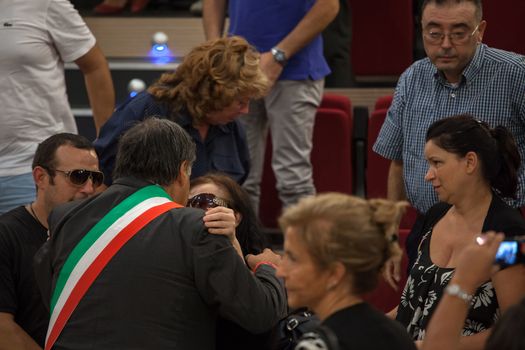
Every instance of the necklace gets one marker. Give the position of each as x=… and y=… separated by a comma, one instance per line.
x=34, y=214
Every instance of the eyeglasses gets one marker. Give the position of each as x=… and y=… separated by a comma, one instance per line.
x=79, y=177
x=206, y=201
x=456, y=38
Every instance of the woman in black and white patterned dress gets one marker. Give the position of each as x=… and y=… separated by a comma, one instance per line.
x=472, y=167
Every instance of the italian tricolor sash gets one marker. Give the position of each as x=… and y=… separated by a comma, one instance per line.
x=97, y=248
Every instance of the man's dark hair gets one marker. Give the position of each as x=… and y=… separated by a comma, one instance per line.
x=477, y=4
x=154, y=150
x=46, y=150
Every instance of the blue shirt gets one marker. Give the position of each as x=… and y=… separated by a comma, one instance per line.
x=265, y=23
x=224, y=148
x=492, y=89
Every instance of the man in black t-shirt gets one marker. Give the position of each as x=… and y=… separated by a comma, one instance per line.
x=65, y=168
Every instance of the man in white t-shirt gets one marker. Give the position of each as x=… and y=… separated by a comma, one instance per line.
x=36, y=38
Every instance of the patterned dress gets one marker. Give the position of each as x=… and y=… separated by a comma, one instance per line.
x=424, y=288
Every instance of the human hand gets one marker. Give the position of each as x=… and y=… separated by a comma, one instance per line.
x=221, y=221
x=270, y=67
x=266, y=256
x=392, y=271
x=476, y=265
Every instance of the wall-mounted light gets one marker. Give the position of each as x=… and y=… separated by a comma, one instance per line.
x=136, y=86
x=159, y=42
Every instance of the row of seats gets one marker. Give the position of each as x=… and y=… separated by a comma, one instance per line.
x=331, y=157
x=337, y=162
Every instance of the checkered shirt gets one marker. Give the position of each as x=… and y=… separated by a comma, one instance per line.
x=492, y=89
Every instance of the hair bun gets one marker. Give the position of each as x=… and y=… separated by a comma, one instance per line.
x=387, y=215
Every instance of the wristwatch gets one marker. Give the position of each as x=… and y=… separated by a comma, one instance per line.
x=279, y=56
x=456, y=291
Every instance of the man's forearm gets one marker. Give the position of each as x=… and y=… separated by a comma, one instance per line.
x=101, y=95
x=99, y=85
x=316, y=20
x=213, y=18
x=395, y=185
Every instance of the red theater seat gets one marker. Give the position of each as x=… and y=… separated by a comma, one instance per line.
x=377, y=167
x=331, y=160
x=333, y=101
x=383, y=102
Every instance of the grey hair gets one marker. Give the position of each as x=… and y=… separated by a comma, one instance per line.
x=154, y=150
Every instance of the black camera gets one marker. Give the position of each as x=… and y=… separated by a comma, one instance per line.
x=509, y=253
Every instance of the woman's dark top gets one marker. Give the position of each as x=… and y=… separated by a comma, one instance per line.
x=224, y=149
x=362, y=327
x=427, y=281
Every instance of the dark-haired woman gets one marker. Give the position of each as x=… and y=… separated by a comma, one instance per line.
x=471, y=168
x=229, y=212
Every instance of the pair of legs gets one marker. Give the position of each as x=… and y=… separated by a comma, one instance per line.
x=289, y=113
x=16, y=190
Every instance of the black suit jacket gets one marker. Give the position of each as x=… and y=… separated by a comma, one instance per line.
x=164, y=288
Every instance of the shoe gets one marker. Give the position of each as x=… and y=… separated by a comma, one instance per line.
x=138, y=6
x=105, y=9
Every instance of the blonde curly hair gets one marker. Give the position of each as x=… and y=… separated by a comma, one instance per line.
x=361, y=234
x=211, y=77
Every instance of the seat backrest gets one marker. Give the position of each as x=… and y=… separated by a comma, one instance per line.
x=331, y=161
x=377, y=168
x=332, y=151
x=334, y=101
x=383, y=102
x=382, y=36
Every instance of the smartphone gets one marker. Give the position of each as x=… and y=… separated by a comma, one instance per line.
x=509, y=253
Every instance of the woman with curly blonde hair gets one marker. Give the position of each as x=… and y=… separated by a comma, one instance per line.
x=334, y=251
x=210, y=88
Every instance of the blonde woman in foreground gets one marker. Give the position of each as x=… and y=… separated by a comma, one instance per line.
x=334, y=250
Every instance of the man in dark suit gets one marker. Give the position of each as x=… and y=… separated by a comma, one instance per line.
x=133, y=269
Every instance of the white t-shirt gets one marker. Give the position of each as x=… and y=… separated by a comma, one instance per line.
x=36, y=38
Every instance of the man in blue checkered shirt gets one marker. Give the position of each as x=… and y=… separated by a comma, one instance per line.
x=460, y=75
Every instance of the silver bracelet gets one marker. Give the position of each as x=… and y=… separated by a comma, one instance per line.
x=456, y=291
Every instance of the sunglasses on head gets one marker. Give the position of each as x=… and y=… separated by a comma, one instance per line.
x=206, y=201
x=79, y=177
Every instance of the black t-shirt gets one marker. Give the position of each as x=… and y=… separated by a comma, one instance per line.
x=20, y=237
x=362, y=327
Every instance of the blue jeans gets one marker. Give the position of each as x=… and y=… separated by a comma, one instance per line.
x=15, y=191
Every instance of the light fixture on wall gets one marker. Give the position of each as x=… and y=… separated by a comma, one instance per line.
x=135, y=86
x=160, y=52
